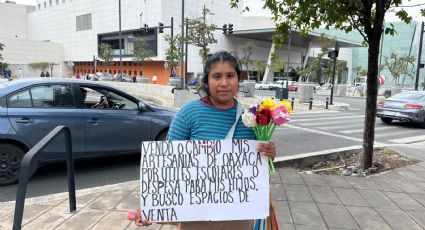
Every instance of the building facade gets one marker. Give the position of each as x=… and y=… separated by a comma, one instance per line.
x=69, y=33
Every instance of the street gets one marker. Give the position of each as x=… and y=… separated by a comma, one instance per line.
x=306, y=133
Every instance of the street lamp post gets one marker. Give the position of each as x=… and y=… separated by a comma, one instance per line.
x=120, y=37
x=419, y=66
x=333, y=55
x=182, y=49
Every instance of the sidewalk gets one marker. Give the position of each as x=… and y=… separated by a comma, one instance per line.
x=392, y=200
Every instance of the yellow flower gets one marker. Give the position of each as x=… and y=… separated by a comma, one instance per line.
x=287, y=104
x=267, y=104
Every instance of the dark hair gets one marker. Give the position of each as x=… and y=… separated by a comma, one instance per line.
x=220, y=56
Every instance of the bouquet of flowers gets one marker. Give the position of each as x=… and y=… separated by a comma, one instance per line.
x=264, y=117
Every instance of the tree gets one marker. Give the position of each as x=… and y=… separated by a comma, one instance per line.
x=173, y=52
x=105, y=53
x=1, y=49
x=365, y=16
x=399, y=66
x=141, y=52
x=200, y=33
x=360, y=71
x=261, y=68
x=277, y=64
x=341, y=65
x=316, y=65
x=39, y=65
x=247, y=53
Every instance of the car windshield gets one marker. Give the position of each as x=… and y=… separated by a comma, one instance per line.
x=408, y=95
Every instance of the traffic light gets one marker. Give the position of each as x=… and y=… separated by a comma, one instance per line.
x=161, y=27
x=230, y=31
x=225, y=29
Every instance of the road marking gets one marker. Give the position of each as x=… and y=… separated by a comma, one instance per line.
x=361, y=130
x=328, y=134
x=407, y=140
x=328, y=118
x=327, y=122
x=340, y=126
x=308, y=112
x=394, y=133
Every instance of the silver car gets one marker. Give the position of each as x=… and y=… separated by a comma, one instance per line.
x=405, y=106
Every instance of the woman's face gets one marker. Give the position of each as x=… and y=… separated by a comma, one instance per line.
x=222, y=84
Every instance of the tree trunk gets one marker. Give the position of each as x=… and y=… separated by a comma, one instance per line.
x=372, y=92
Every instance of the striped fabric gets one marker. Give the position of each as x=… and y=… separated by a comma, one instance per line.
x=199, y=121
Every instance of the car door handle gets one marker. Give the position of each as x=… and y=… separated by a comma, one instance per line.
x=24, y=120
x=93, y=121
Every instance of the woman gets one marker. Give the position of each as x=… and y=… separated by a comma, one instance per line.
x=211, y=118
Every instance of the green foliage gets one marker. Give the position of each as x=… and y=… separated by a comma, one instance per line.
x=277, y=64
x=200, y=33
x=105, y=53
x=360, y=71
x=3, y=66
x=367, y=17
x=39, y=65
x=326, y=44
x=261, y=68
x=1, y=49
x=141, y=52
x=247, y=53
x=399, y=66
x=341, y=65
x=173, y=53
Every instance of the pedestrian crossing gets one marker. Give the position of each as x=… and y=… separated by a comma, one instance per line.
x=349, y=125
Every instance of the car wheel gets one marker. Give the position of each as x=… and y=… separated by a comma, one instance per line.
x=260, y=88
x=10, y=161
x=162, y=136
x=386, y=120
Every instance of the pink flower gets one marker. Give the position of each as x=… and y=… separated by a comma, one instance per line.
x=280, y=116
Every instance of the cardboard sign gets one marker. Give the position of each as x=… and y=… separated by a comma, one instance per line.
x=203, y=180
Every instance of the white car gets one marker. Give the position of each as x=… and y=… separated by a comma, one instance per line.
x=267, y=85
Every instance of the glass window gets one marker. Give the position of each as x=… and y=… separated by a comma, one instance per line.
x=50, y=3
x=99, y=98
x=84, y=22
x=52, y=96
x=57, y=2
x=39, y=6
x=45, y=4
x=20, y=100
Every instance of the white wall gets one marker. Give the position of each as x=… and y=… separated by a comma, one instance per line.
x=13, y=20
x=58, y=23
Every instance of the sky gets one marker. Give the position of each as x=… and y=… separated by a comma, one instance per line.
x=256, y=9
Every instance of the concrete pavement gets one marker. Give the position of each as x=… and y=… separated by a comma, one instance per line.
x=391, y=200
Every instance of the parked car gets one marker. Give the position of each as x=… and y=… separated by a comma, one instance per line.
x=405, y=106
x=124, y=78
x=103, y=120
x=293, y=87
x=267, y=85
x=103, y=76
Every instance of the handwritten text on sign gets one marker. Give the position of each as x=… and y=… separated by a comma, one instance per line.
x=203, y=180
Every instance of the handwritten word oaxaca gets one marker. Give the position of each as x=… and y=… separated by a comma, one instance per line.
x=203, y=180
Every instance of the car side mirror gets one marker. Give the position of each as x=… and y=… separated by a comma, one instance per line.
x=142, y=106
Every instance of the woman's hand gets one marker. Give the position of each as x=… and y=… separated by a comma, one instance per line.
x=267, y=149
x=137, y=220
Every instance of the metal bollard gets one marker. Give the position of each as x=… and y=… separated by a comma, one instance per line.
x=292, y=103
x=327, y=103
x=311, y=104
